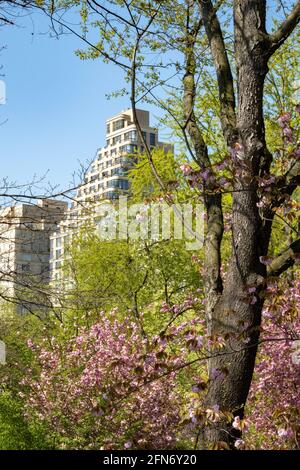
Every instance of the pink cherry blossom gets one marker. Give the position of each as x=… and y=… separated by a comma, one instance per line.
x=239, y=444
x=282, y=433
x=284, y=119
x=186, y=169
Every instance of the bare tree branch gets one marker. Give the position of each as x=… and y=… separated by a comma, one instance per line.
x=286, y=28
x=223, y=70
x=213, y=202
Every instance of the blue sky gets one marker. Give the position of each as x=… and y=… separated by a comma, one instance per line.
x=56, y=105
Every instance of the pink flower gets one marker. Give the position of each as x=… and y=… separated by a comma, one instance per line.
x=239, y=444
x=297, y=152
x=251, y=290
x=282, y=433
x=186, y=169
x=236, y=151
x=30, y=343
x=284, y=119
x=85, y=376
x=288, y=133
x=205, y=174
x=199, y=342
x=261, y=203
x=215, y=374
x=265, y=260
x=274, y=395
x=221, y=165
x=223, y=181
x=237, y=423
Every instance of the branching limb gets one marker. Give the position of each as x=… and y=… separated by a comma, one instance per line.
x=223, y=70
x=286, y=28
x=213, y=202
x=285, y=260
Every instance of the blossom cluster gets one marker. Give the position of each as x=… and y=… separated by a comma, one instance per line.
x=274, y=401
x=106, y=388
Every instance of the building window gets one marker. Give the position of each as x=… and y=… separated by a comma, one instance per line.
x=144, y=134
x=26, y=257
x=111, y=195
x=130, y=148
x=124, y=184
x=152, y=139
x=118, y=124
x=118, y=171
x=25, y=268
x=118, y=183
x=108, y=128
x=113, y=184
x=131, y=135
x=116, y=139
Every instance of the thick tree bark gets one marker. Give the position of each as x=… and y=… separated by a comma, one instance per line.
x=237, y=315
x=232, y=311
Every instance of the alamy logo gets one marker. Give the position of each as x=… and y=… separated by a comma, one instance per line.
x=2, y=353
x=157, y=221
x=2, y=92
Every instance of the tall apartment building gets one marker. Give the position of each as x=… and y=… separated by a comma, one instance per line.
x=107, y=178
x=25, y=250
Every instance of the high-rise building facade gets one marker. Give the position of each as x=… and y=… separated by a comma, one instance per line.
x=25, y=250
x=33, y=237
x=107, y=178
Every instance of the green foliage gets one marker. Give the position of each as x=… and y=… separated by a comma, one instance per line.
x=135, y=278
x=15, y=330
x=143, y=183
x=282, y=88
x=15, y=432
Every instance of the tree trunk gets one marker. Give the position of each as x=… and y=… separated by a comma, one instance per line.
x=237, y=313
